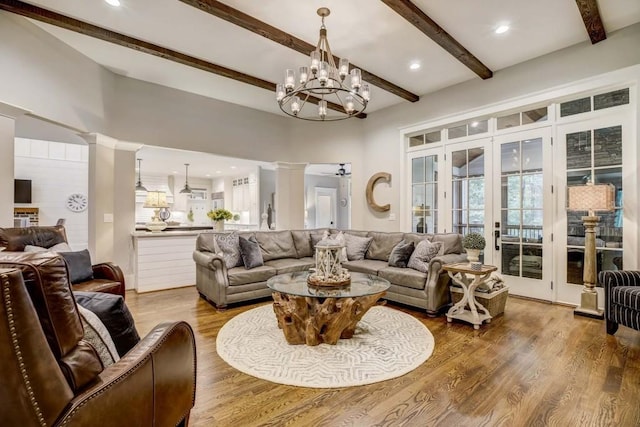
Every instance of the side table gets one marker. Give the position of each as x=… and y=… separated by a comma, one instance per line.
x=459, y=311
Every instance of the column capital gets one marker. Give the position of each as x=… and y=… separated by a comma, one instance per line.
x=99, y=139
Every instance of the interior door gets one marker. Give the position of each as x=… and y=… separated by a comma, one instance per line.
x=523, y=211
x=326, y=209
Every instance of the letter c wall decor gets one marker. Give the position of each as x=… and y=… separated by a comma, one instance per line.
x=384, y=176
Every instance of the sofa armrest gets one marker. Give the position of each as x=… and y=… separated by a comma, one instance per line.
x=109, y=271
x=611, y=279
x=435, y=265
x=210, y=260
x=153, y=384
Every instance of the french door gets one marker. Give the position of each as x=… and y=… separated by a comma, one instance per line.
x=523, y=207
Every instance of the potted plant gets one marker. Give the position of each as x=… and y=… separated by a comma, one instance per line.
x=473, y=244
x=219, y=216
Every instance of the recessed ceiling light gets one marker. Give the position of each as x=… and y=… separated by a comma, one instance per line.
x=233, y=167
x=474, y=124
x=502, y=29
x=415, y=65
x=208, y=174
x=218, y=171
x=113, y=2
x=175, y=172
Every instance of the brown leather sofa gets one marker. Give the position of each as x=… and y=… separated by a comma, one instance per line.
x=107, y=276
x=51, y=377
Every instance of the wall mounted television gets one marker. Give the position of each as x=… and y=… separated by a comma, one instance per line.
x=22, y=191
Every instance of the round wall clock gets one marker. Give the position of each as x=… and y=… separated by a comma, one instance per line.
x=77, y=202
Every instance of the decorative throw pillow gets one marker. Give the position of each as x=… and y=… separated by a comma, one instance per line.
x=229, y=245
x=400, y=254
x=423, y=253
x=79, y=265
x=317, y=237
x=96, y=334
x=114, y=315
x=356, y=246
x=250, y=252
x=60, y=247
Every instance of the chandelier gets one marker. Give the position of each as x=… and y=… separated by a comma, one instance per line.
x=324, y=85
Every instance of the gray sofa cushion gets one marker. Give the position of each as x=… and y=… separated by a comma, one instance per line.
x=451, y=243
x=400, y=254
x=289, y=265
x=417, y=238
x=404, y=277
x=382, y=245
x=302, y=241
x=251, y=253
x=242, y=276
x=369, y=266
x=276, y=244
x=423, y=254
x=206, y=243
x=356, y=246
x=317, y=235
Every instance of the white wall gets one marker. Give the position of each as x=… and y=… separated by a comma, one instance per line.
x=56, y=170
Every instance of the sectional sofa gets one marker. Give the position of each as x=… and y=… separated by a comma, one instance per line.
x=292, y=250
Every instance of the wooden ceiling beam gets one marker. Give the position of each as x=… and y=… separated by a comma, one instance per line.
x=87, y=29
x=263, y=29
x=592, y=20
x=428, y=26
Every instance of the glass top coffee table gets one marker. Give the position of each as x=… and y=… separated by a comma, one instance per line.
x=312, y=314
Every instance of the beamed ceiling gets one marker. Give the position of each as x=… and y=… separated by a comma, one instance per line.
x=236, y=51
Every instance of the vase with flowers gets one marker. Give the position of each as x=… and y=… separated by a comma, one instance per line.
x=219, y=216
x=473, y=243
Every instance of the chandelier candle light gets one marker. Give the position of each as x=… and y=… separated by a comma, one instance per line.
x=322, y=83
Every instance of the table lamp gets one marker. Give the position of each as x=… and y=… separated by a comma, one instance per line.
x=590, y=197
x=156, y=200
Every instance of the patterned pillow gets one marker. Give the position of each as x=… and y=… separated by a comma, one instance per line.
x=96, y=334
x=229, y=245
x=356, y=246
x=424, y=252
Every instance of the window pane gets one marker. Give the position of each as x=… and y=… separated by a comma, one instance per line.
x=610, y=225
x=476, y=193
x=511, y=260
x=414, y=141
x=418, y=198
x=576, y=106
x=458, y=131
x=476, y=162
x=510, y=157
x=575, y=265
x=459, y=164
x=431, y=164
x=531, y=261
x=611, y=99
x=532, y=155
x=480, y=126
x=579, y=150
x=510, y=231
x=532, y=191
x=509, y=121
x=534, y=116
x=607, y=146
x=417, y=170
x=511, y=192
x=433, y=137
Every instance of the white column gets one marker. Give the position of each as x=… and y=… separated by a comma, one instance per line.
x=8, y=114
x=289, y=195
x=124, y=208
x=101, y=196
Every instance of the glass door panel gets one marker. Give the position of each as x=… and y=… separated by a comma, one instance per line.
x=424, y=193
x=521, y=250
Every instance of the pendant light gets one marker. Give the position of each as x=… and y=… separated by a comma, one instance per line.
x=186, y=188
x=139, y=186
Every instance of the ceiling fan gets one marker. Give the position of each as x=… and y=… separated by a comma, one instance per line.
x=342, y=171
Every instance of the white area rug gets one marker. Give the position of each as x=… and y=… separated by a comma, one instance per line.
x=387, y=344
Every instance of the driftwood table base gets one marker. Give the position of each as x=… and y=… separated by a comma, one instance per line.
x=312, y=321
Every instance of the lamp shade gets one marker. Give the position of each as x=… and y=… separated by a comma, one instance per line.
x=591, y=197
x=156, y=199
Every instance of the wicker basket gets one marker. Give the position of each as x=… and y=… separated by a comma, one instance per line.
x=492, y=301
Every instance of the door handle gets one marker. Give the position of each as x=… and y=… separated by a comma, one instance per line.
x=496, y=235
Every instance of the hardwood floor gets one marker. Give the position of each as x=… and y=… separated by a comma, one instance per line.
x=536, y=365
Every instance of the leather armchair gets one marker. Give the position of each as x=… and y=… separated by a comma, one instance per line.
x=621, y=299
x=107, y=276
x=51, y=377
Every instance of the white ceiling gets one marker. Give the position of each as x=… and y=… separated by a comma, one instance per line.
x=367, y=32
